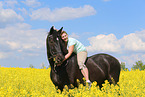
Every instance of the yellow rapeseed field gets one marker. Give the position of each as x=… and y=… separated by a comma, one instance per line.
x=30, y=82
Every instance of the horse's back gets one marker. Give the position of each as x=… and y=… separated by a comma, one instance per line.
x=101, y=66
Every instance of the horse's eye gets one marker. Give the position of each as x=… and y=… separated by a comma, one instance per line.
x=51, y=40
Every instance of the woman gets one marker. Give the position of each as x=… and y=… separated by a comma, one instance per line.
x=78, y=48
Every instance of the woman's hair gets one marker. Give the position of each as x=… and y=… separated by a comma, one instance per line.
x=63, y=32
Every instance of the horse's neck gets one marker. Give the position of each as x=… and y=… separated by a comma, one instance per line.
x=66, y=44
x=64, y=48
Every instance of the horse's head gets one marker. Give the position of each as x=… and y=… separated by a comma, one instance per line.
x=54, y=50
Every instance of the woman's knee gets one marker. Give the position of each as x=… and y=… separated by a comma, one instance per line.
x=82, y=66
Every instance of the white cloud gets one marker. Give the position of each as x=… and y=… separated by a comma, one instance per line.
x=3, y=55
x=74, y=35
x=141, y=34
x=32, y=3
x=23, y=10
x=10, y=3
x=133, y=42
x=9, y=16
x=21, y=39
x=12, y=44
x=65, y=13
x=104, y=43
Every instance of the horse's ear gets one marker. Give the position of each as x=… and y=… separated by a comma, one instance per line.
x=60, y=30
x=51, y=30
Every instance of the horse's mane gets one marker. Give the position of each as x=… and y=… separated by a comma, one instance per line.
x=63, y=47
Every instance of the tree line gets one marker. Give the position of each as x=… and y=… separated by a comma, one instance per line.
x=138, y=65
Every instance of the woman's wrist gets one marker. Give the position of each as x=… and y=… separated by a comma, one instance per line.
x=64, y=58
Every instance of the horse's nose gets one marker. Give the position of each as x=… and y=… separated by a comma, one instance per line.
x=58, y=59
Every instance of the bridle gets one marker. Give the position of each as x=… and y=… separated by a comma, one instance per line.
x=57, y=47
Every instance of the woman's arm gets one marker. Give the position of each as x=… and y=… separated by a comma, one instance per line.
x=70, y=51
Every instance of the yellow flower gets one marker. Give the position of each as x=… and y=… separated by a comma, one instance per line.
x=31, y=82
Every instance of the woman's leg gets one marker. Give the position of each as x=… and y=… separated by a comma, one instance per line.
x=85, y=73
x=81, y=58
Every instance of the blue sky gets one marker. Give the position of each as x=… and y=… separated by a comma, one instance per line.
x=115, y=27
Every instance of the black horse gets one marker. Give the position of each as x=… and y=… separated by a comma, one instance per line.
x=101, y=67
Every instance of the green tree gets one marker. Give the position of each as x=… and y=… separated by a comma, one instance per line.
x=123, y=66
x=43, y=66
x=138, y=65
x=31, y=66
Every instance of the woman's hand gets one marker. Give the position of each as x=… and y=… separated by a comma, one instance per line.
x=70, y=51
